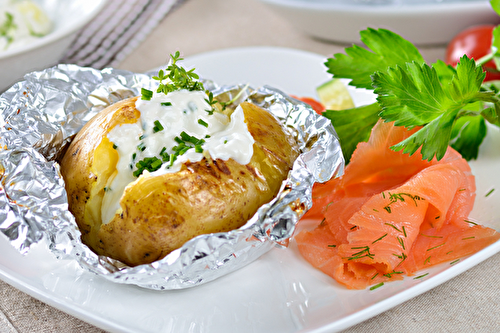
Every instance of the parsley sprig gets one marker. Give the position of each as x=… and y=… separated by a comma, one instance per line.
x=450, y=103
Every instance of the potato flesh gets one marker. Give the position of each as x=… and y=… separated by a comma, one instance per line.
x=159, y=214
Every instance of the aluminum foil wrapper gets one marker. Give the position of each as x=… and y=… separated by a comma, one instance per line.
x=39, y=117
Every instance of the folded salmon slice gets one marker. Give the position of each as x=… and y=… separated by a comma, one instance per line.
x=392, y=214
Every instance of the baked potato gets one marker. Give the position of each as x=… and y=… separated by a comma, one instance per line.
x=158, y=214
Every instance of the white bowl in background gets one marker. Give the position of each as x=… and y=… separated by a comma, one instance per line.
x=67, y=16
x=421, y=22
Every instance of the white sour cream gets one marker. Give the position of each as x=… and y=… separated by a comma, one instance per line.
x=21, y=23
x=162, y=120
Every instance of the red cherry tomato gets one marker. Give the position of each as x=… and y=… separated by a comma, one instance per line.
x=316, y=105
x=475, y=42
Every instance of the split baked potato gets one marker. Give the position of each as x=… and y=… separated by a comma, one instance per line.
x=160, y=213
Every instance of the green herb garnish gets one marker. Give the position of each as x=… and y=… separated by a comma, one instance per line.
x=146, y=94
x=149, y=163
x=420, y=276
x=141, y=146
x=158, y=126
x=451, y=103
x=377, y=286
x=202, y=122
x=7, y=28
x=382, y=237
x=177, y=78
x=488, y=194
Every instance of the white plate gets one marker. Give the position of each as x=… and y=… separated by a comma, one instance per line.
x=280, y=292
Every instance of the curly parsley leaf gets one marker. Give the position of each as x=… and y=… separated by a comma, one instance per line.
x=353, y=126
x=358, y=63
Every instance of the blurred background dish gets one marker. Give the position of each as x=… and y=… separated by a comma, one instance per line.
x=67, y=17
x=423, y=22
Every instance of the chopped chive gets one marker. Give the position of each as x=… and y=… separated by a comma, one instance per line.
x=392, y=225
x=178, y=140
x=454, y=262
x=142, y=137
x=141, y=147
x=225, y=141
x=166, y=104
x=404, y=231
x=468, y=238
x=114, y=146
x=430, y=236
x=435, y=247
x=198, y=149
x=134, y=155
x=449, y=252
x=383, y=195
x=323, y=221
x=491, y=191
x=420, y=276
x=428, y=260
x=202, y=122
x=353, y=227
x=375, y=210
x=377, y=286
x=373, y=277
x=185, y=136
x=146, y=94
x=462, y=189
x=389, y=275
x=379, y=239
x=332, y=245
x=158, y=126
x=474, y=223
x=437, y=217
x=401, y=242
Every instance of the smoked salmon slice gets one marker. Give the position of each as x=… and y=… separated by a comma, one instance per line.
x=392, y=214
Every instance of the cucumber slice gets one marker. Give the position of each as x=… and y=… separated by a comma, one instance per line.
x=334, y=95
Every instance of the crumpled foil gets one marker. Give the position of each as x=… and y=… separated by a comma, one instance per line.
x=39, y=117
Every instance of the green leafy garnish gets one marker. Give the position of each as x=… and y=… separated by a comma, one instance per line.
x=177, y=78
x=358, y=121
x=202, y=122
x=146, y=94
x=450, y=104
x=157, y=127
x=7, y=28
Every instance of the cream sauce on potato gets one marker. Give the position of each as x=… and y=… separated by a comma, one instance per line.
x=158, y=131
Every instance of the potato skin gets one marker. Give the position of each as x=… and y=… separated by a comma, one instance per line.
x=159, y=214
